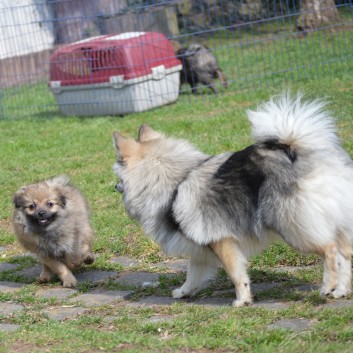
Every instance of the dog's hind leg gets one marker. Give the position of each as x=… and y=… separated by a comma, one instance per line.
x=330, y=277
x=235, y=263
x=200, y=272
x=344, y=255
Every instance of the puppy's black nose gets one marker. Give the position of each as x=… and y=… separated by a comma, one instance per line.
x=42, y=213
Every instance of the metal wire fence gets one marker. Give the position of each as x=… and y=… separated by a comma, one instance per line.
x=129, y=56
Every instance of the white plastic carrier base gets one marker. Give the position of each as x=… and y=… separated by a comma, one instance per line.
x=119, y=96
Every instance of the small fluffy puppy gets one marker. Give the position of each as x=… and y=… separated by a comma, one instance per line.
x=294, y=182
x=51, y=219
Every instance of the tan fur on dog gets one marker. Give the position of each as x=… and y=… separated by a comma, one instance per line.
x=51, y=219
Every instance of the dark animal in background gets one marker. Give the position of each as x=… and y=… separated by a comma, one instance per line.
x=200, y=66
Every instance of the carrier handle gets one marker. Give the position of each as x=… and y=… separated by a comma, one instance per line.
x=158, y=72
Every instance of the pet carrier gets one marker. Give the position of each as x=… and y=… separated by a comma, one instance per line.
x=115, y=74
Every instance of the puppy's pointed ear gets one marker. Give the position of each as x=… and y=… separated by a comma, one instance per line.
x=117, y=140
x=62, y=200
x=146, y=133
x=18, y=197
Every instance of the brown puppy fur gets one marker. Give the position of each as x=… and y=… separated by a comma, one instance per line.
x=51, y=219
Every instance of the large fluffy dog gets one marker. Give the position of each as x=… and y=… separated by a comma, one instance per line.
x=296, y=182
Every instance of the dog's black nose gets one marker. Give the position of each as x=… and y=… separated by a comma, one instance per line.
x=119, y=187
x=42, y=213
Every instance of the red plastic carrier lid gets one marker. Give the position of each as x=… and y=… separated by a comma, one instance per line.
x=128, y=55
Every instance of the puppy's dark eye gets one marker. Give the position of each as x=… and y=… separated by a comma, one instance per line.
x=32, y=207
x=50, y=204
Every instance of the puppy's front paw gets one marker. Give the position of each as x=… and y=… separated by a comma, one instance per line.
x=45, y=275
x=69, y=281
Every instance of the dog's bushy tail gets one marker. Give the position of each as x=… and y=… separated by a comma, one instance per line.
x=294, y=122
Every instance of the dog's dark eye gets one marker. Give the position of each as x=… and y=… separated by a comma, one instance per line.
x=50, y=204
x=32, y=207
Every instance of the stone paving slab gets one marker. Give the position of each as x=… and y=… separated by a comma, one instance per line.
x=208, y=301
x=58, y=293
x=271, y=305
x=30, y=254
x=95, y=276
x=338, y=304
x=4, y=266
x=307, y=287
x=124, y=261
x=64, y=312
x=140, y=279
x=179, y=265
x=222, y=301
x=10, y=287
x=30, y=273
x=154, y=300
x=297, y=325
x=100, y=297
x=8, y=309
x=9, y=327
x=262, y=287
x=211, y=301
x=255, y=288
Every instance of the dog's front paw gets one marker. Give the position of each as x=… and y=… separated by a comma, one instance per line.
x=241, y=302
x=179, y=293
x=327, y=291
x=341, y=292
x=45, y=275
x=69, y=281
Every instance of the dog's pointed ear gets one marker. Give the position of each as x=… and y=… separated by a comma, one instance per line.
x=146, y=133
x=117, y=139
x=61, y=196
x=18, y=197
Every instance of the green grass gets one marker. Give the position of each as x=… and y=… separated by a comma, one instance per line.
x=37, y=142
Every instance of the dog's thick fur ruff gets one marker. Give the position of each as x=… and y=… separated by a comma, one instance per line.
x=51, y=219
x=295, y=182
